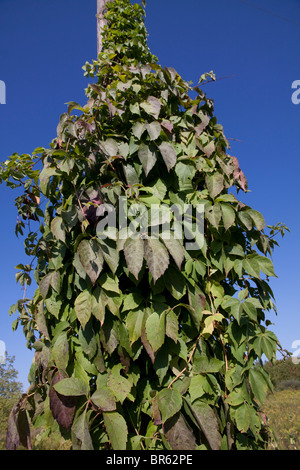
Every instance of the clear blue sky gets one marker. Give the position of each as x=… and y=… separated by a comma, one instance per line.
x=43, y=46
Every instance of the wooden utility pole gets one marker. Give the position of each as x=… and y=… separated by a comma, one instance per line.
x=101, y=22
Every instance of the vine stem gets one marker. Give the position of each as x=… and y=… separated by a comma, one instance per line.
x=188, y=362
x=136, y=431
x=80, y=205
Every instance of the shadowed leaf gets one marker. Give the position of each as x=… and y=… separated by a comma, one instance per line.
x=61, y=406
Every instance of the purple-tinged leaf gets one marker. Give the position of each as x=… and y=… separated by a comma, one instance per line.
x=61, y=406
x=18, y=431
x=168, y=153
x=179, y=434
x=239, y=176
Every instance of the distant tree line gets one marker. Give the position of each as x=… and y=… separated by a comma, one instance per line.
x=284, y=374
x=10, y=392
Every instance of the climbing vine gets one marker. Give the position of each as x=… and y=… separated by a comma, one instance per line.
x=153, y=339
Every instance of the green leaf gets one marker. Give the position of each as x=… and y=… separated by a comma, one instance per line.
x=109, y=283
x=87, y=340
x=258, y=384
x=233, y=306
x=132, y=301
x=168, y=153
x=245, y=219
x=147, y=158
x=83, y=307
x=185, y=172
x=242, y=417
x=197, y=301
x=172, y=325
x=138, y=129
x=81, y=430
x=58, y=230
x=175, y=283
x=156, y=330
x=104, y=399
x=169, y=403
x=215, y=184
x=214, y=215
x=60, y=351
x=134, y=255
x=55, y=281
x=134, y=323
x=110, y=147
x=197, y=387
x=175, y=248
x=53, y=305
x=265, y=343
x=91, y=258
x=152, y=106
x=252, y=267
x=119, y=385
x=157, y=257
x=266, y=265
x=109, y=335
x=207, y=365
x=228, y=215
x=72, y=387
x=250, y=309
x=116, y=428
x=110, y=253
x=98, y=304
x=45, y=175
x=235, y=398
x=257, y=219
x=153, y=129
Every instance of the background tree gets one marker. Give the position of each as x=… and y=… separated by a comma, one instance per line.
x=142, y=342
x=10, y=392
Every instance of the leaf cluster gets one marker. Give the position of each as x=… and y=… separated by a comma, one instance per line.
x=141, y=342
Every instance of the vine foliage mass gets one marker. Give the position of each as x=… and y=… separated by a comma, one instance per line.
x=141, y=343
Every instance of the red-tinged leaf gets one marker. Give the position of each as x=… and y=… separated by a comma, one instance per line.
x=153, y=129
x=144, y=338
x=156, y=105
x=239, y=175
x=200, y=127
x=167, y=125
x=147, y=158
x=18, y=431
x=91, y=258
x=208, y=424
x=44, y=285
x=134, y=255
x=179, y=434
x=61, y=406
x=175, y=248
x=157, y=257
x=168, y=153
x=155, y=412
x=83, y=307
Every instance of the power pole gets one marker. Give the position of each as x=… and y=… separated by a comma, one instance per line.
x=101, y=22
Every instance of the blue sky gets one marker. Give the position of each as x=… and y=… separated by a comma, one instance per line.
x=43, y=46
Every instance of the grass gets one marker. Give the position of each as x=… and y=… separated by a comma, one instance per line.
x=283, y=412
